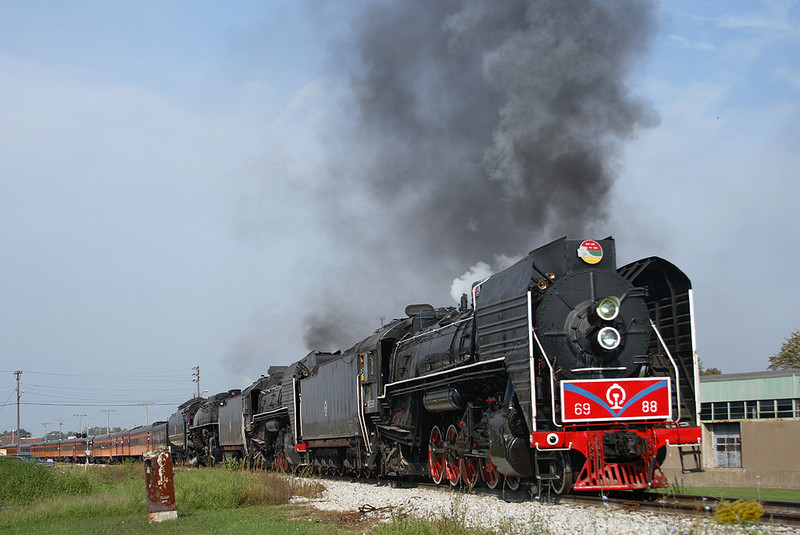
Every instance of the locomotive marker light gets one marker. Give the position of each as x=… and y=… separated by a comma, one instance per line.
x=608, y=308
x=609, y=338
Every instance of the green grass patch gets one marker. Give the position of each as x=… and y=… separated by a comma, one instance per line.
x=23, y=482
x=259, y=519
x=39, y=499
x=42, y=500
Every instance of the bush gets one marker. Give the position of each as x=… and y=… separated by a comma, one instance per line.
x=738, y=512
x=27, y=482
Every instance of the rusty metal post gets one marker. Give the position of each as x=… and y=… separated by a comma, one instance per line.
x=160, y=486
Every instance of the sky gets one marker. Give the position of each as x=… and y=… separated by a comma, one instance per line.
x=227, y=185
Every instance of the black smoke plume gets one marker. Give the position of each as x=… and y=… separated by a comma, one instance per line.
x=480, y=128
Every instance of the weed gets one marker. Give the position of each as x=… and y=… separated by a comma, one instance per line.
x=303, y=486
x=404, y=523
x=742, y=512
x=538, y=524
x=231, y=463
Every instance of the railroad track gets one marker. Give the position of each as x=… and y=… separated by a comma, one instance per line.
x=775, y=512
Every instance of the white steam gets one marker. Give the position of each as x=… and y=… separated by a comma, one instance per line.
x=463, y=284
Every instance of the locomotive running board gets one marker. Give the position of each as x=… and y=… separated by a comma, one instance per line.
x=463, y=373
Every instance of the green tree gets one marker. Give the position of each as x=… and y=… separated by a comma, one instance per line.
x=708, y=371
x=789, y=355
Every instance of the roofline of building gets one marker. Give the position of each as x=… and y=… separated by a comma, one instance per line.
x=788, y=372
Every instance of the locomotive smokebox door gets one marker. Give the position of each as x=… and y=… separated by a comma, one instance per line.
x=160, y=486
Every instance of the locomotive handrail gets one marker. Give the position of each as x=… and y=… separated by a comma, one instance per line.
x=433, y=331
x=535, y=337
x=244, y=436
x=423, y=378
x=295, y=403
x=361, y=420
x=695, y=359
x=273, y=412
x=531, y=364
x=569, y=447
x=674, y=366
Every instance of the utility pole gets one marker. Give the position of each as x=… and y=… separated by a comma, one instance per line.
x=45, y=424
x=19, y=439
x=146, y=404
x=80, y=422
x=60, y=424
x=108, y=426
x=197, y=378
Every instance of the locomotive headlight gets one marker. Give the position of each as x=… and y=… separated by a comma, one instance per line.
x=609, y=338
x=608, y=308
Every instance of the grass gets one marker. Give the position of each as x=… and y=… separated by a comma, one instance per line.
x=42, y=500
x=22, y=482
x=258, y=519
x=38, y=499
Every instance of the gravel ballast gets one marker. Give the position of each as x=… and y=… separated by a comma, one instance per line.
x=383, y=501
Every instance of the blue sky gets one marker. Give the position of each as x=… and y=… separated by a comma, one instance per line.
x=163, y=168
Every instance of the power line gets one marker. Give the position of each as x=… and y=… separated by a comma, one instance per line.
x=143, y=375
x=162, y=404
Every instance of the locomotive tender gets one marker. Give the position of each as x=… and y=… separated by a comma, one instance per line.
x=562, y=370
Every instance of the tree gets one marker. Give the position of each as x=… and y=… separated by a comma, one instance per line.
x=708, y=371
x=789, y=355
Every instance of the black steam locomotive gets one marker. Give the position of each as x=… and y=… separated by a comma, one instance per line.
x=561, y=370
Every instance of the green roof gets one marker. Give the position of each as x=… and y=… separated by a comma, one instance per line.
x=771, y=384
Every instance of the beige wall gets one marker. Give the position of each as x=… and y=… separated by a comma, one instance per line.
x=771, y=444
x=770, y=458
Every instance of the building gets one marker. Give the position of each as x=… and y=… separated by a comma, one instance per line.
x=751, y=431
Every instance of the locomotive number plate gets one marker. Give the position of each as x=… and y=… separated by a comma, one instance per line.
x=616, y=399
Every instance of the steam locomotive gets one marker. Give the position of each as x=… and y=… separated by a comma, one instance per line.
x=561, y=371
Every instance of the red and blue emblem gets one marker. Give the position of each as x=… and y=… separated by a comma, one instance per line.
x=616, y=399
